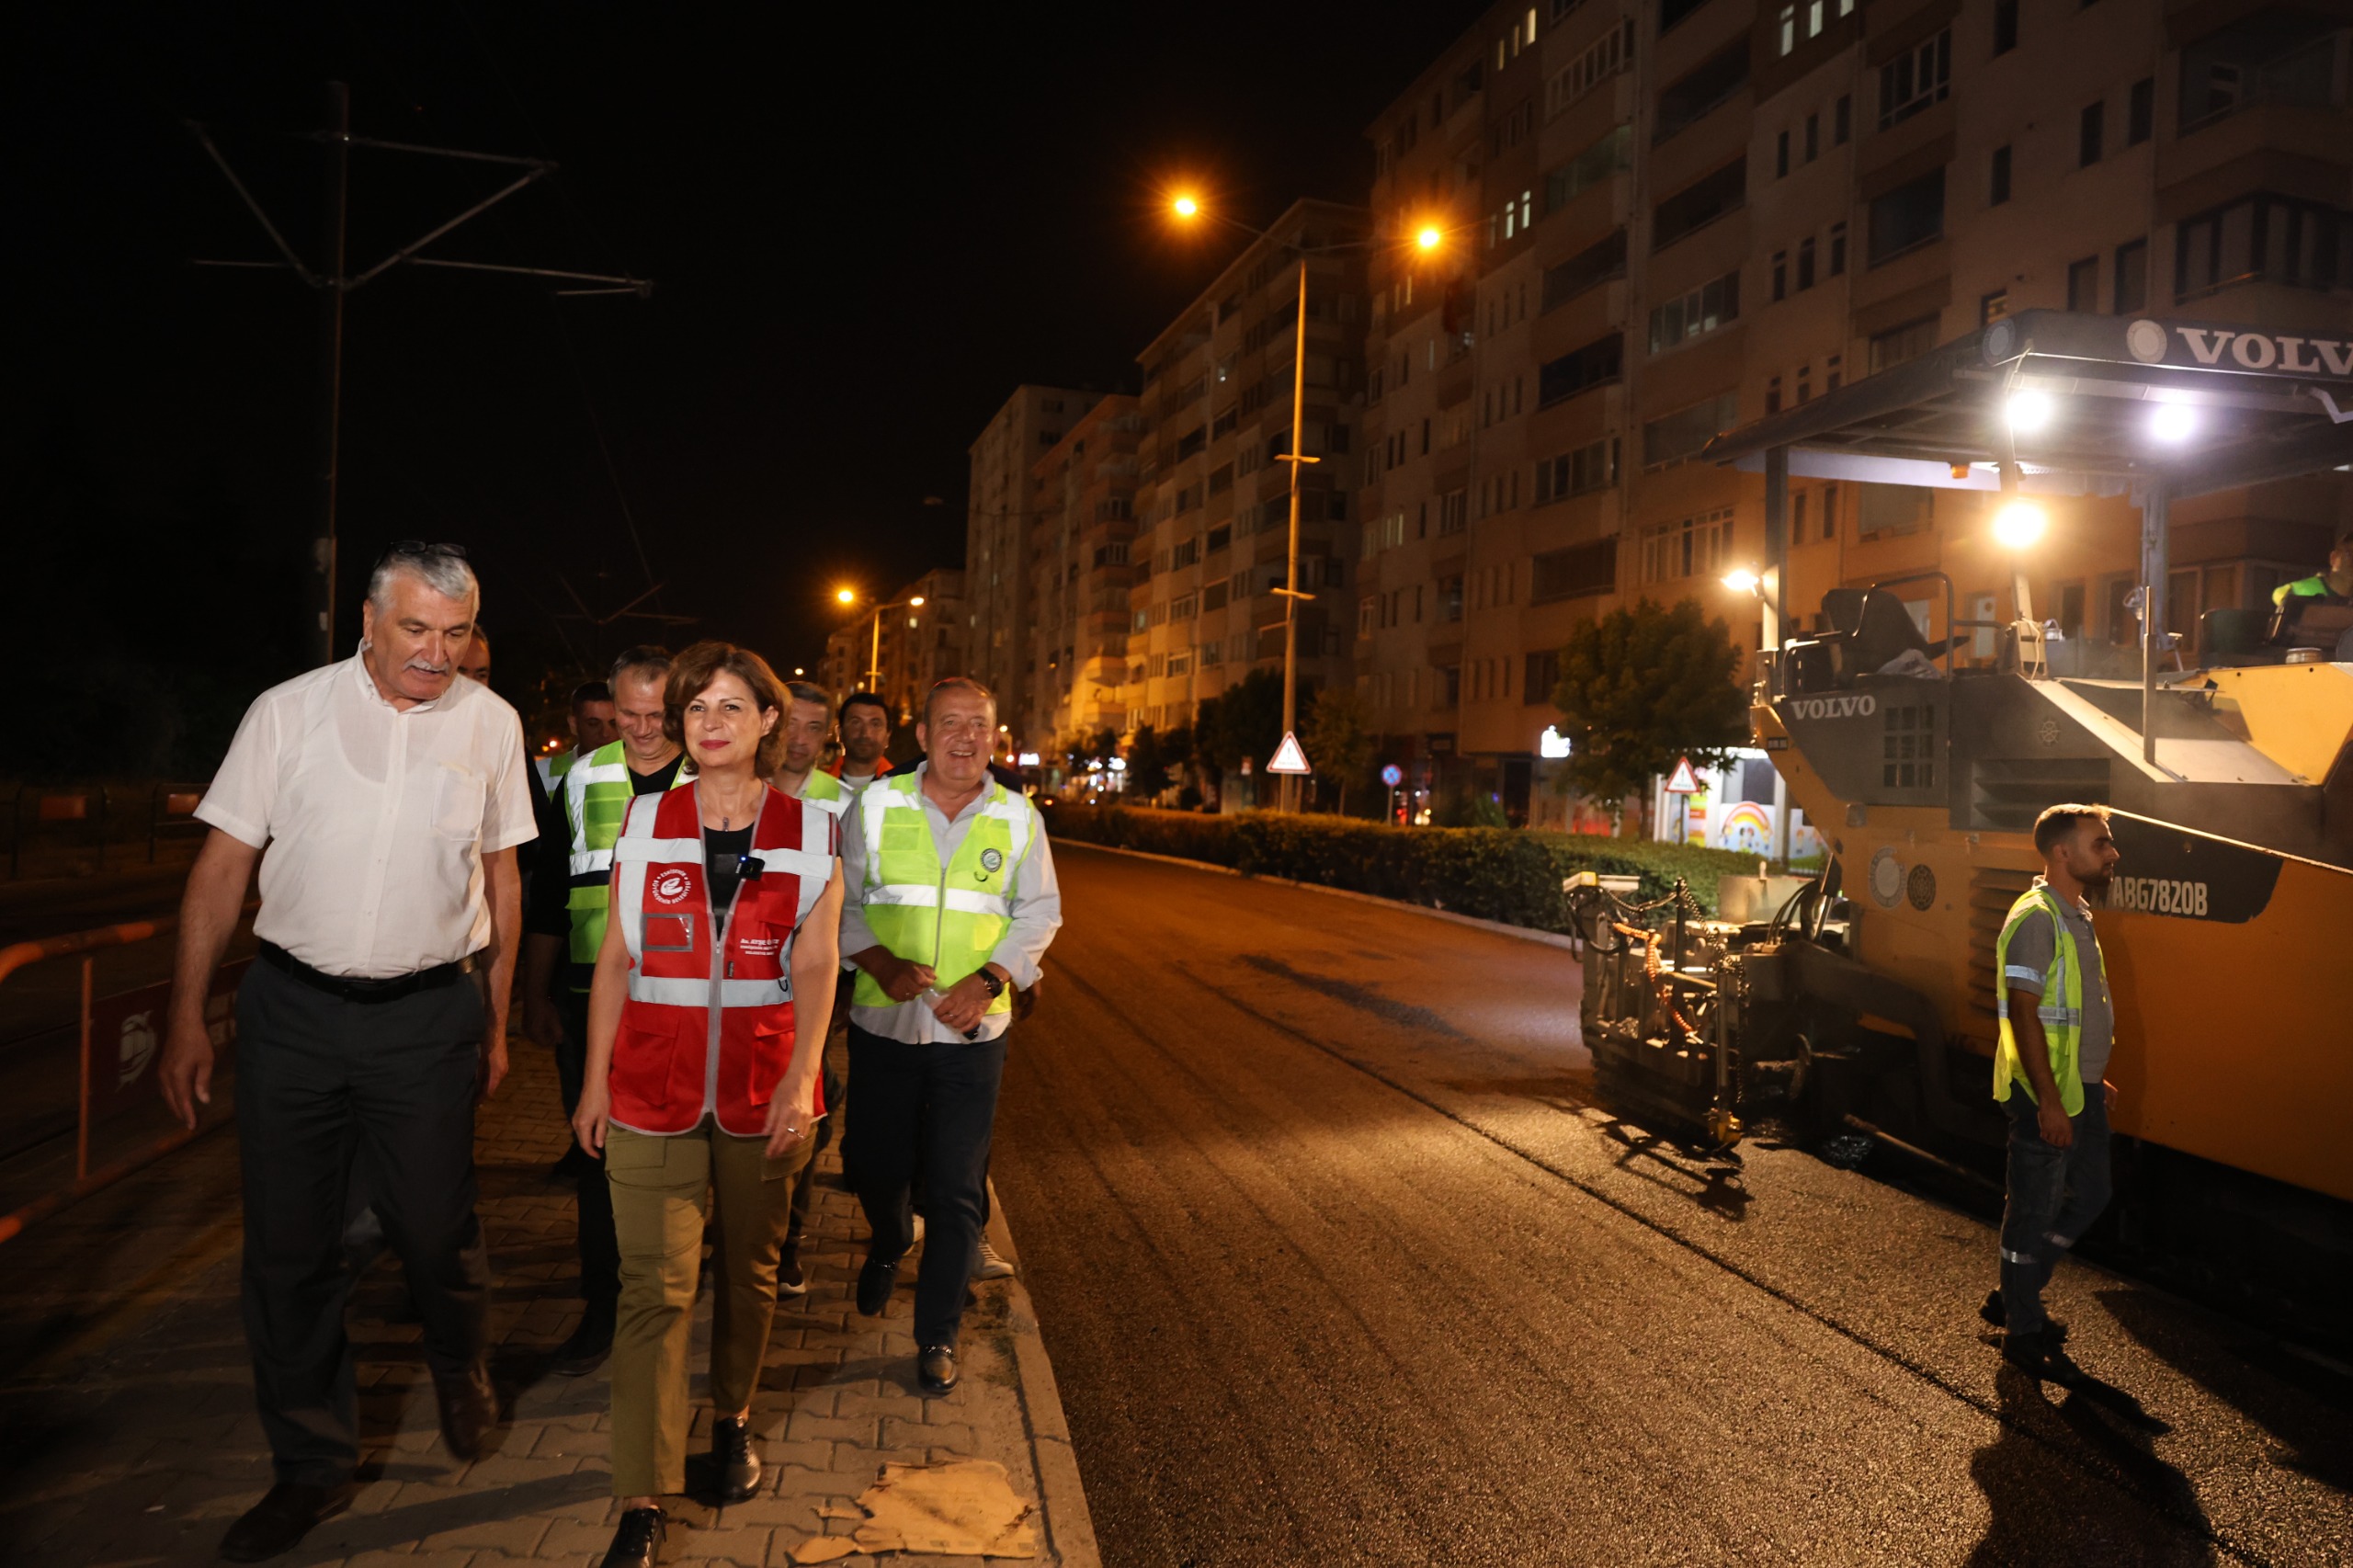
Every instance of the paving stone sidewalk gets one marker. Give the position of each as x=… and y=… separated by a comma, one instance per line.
x=128, y=1434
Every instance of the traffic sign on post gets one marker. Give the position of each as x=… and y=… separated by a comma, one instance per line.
x=1288, y=757
x=1392, y=776
x=1684, y=781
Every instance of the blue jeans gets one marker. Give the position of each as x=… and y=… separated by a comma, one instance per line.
x=2054, y=1196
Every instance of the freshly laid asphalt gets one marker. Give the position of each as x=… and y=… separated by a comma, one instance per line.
x=1337, y=1264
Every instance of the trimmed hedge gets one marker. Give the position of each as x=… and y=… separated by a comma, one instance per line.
x=1493, y=873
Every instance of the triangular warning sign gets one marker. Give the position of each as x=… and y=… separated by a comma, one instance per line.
x=1684, y=781
x=1288, y=757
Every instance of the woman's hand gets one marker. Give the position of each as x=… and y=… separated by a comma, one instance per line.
x=592, y=1115
x=792, y=1116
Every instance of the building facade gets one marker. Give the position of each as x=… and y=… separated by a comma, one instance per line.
x=1083, y=542
x=1671, y=217
x=915, y=645
x=1212, y=490
x=1000, y=520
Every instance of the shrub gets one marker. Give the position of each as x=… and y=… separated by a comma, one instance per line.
x=1492, y=873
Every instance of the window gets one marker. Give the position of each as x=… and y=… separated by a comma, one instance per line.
x=2265, y=239
x=1221, y=479
x=1891, y=509
x=1805, y=263
x=1591, y=466
x=1450, y=598
x=1675, y=436
x=1569, y=573
x=1224, y=422
x=1918, y=77
x=1993, y=307
x=1911, y=215
x=2071, y=609
x=2275, y=55
x=2141, y=111
x=1670, y=12
x=1838, y=250
x=1692, y=97
x=1187, y=554
x=1781, y=156
x=1219, y=538
x=1830, y=503
x=1998, y=186
x=2131, y=293
x=1609, y=153
x=1813, y=137
x=2006, y=26
x=1611, y=53
x=1772, y=394
x=1712, y=304
x=1191, y=441
x=1898, y=344
x=1595, y=264
x=2089, y=126
x=2083, y=284
x=1832, y=373
x=1804, y=21
x=1544, y=668
x=1781, y=276
x=1698, y=204
x=1453, y=512
x=1580, y=369
x=1696, y=547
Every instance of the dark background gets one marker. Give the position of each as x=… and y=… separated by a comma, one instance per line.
x=865, y=226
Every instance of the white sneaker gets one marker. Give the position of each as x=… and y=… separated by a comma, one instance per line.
x=991, y=1266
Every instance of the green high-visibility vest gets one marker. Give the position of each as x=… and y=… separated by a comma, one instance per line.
x=953, y=919
x=2313, y=587
x=2061, y=1009
x=596, y=793
x=826, y=791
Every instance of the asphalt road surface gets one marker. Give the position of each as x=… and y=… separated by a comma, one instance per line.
x=1337, y=1265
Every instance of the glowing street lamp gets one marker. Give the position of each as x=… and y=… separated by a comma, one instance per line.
x=874, y=658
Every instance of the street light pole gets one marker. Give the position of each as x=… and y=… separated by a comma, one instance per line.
x=1292, y=596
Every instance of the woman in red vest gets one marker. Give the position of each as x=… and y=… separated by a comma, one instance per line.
x=726, y=928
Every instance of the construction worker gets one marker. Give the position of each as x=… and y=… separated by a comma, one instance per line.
x=2336, y=583
x=592, y=730
x=807, y=725
x=866, y=735
x=573, y=880
x=2058, y=1024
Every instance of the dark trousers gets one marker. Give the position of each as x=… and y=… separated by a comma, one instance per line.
x=600, y=1252
x=2054, y=1196
x=927, y=1107
x=805, y=1182
x=319, y=1081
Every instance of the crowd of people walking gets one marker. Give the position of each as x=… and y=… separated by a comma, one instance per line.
x=727, y=870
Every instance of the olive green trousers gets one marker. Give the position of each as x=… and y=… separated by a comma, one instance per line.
x=663, y=1189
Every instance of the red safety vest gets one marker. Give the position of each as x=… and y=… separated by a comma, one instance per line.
x=665, y=1074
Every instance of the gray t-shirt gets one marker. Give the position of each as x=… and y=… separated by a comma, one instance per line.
x=2030, y=951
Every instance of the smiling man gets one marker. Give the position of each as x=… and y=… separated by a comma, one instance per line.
x=951, y=903
x=383, y=798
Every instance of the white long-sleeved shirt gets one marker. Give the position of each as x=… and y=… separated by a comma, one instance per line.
x=1035, y=896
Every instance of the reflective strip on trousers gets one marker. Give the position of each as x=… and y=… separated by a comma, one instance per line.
x=2019, y=1257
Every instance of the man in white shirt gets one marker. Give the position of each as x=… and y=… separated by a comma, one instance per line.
x=390, y=797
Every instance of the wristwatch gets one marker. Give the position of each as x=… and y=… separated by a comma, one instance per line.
x=989, y=978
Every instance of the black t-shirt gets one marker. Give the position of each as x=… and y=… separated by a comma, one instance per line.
x=724, y=853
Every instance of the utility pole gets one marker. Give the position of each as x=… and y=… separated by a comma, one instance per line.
x=334, y=281
x=1287, y=792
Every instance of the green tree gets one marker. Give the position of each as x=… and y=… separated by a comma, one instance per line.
x=1642, y=687
x=1339, y=740
x=1245, y=720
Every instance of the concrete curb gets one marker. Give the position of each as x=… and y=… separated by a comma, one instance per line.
x=1523, y=933
x=1061, y=1495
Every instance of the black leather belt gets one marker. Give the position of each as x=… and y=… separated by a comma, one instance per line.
x=350, y=990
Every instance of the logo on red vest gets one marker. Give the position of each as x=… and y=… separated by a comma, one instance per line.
x=671, y=886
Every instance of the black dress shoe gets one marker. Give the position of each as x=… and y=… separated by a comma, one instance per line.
x=1993, y=1311
x=732, y=1458
x=469, y=1409
x=874, y=1283
x=2040, y=1358
x=638, y=1542
x=790, y=1279
x=935, y=1368
x=589, y=1344
x=279, y=1521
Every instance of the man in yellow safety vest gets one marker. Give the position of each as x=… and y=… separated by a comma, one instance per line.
x=2058, y=1024
x=950, y=902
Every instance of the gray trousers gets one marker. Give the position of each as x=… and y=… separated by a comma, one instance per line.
x=320, y=1080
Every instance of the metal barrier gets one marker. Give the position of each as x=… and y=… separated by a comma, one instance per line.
x=131, y=1024
x=85, y=815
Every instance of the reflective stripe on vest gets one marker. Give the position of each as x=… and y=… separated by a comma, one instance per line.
x=951, y=917
x=596, y=793
x=2061, y=1009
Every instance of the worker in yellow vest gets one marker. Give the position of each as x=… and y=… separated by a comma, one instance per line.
x=808, y=724
x=2058, y=1026
x=566, y=926
x=950, y=901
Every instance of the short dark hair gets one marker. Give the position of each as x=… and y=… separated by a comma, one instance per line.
x=2051, y=829
x=956, y=683
x=691, y=674
x=855, y=698
x=806, y=691
x=590, y=691
x=645, y=659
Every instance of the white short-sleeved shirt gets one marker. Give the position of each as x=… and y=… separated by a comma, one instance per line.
x=375, y=818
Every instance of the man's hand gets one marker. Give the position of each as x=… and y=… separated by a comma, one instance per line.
x=542, y=1024
x=592, y=1114
x=900, y=981
x=2052, y=1116
x=964, y=1004
x=493, y=1064
x=186, y=1075
x=792, y=1117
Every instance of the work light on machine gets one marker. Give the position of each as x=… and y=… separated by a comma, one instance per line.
x=2027, y=411
x=1740, y=580
x=2020, y=525
x=2172, y=421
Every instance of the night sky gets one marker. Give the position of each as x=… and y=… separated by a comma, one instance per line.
x=864, y=230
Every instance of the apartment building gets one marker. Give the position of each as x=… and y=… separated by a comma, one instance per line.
x=915, y=645
x=1083, y=500
x=1212, y=490
x=1674, y=216
x=997, y=535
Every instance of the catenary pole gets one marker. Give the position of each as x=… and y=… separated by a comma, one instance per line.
x=338, y=141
